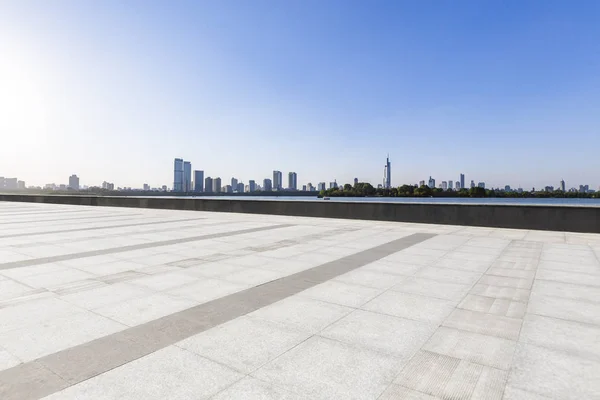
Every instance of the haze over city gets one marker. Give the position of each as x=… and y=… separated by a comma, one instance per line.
x=505, y=92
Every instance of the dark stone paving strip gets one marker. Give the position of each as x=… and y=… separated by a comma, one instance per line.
x=55, y=372
x=95, y=228
x=141, y=246
x=113, y=215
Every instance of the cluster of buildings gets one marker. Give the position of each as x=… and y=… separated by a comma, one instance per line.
x=11, y=184
x=186, y=180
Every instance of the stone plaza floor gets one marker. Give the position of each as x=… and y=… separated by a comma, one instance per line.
x=127, y=303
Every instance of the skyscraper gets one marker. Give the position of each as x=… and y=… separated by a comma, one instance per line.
x=421, y=183
x=268, y=185
x=251, y=185
x=387, y=174
x=277, y=180
x=444, y=185
x=178, y=175
x=217, y=185
x=239, y=188
x=198, y=181
x=450, y=184
x=320, y=186
x=462, y=181
x=355, y=182
x=74, y=182
x=292, y=181
x=562, y=185
x=234, y=183
x=208, y=184
x=481, y=185
x=187, y=176
x=431, y=182
x=458, y=185
x=472, y=183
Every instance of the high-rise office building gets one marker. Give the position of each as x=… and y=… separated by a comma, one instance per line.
x=267, y=185
x=320, y=186
x=208, y=184
x=444, y=185
x=431, y=182
x=472, y=183
x=310, y=187
x=21, y=185
x=450, y=184
x=481, y=185
x=198, y=181
x=421, y=183
x=240, y=187
x=458, y=185
x=74, y=182
x=333, y=185
x=304, y=188
x=187, y=176
x=462, y=181
x=234, y=183
x=11, y=183
x=277, y=180
x=292, y=181
x=355, y=182
x=146, y=187
x=217, y=185
x=178, y=175
x=251, y=186
x=562, y=185
x=387, y=174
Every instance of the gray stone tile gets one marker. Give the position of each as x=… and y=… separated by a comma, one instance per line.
x=486, y=324
x=462, y=264
x=342, y=293
x=35, y=341
x=574, y=338
x=33, y=312
x=566, y=290
x=7, y=360
x=105, y=295
x=394, y=268
x=15, y=383
x=500, y=292
x=554, y=374
x=448, y=275
x=138, y=310
x=591, y=268
x=405, y=305
x=373, y=279
x=397, y=392
x=481, y=349
x=572, y=310
x=495, y=280
x=511, y=393
x=254, y=389
x=161, y=282
x=448, y=377
x=245, y=343
x=168, y=373
x=54, y=278
x=326, y=369
x=431, y=288
x=302, y=313
x=206, y=290
x=379, y=332
x=569, y=277
x=512, y=273
x=11, y=289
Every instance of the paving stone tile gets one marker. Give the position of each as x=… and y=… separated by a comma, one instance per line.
x=575, y=338
x=397, y=392
x=254, y=389
x=462, y=264
x=170, y=373
x=326, y=369
x=10, y=289
x=566, y=290
x=411, y=306
x=569, y=277
x=37, y=340
x=7, y=359
x=554, y=374
x=481, y=349
x=572, y=310
x=591, y=268
x=245, y=343
x=519, y=283
x=501, y=292
x=448, y=275
x=206, y=290
x=302, y=313
x=487, y=324
x=394, y=268
x=431, y=288
x=105, y=295
x=377, y=280
x=512, y=273
x=379, y=332
x=138, y=310
x=33, y=312
x=503, y=307
x=342, y=293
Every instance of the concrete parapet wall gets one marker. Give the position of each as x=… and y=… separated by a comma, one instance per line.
x=554, y=218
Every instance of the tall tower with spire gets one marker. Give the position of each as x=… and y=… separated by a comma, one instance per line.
x=387, y=174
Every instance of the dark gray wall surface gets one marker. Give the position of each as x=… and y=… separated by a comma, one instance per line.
x=554, y=218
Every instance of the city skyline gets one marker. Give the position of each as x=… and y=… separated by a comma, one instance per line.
x=486, y=88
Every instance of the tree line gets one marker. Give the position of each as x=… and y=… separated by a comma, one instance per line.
x=364, y=189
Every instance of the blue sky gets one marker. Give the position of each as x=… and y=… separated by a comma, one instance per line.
x=507, y=92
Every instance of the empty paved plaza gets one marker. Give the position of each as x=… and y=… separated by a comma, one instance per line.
x=128, y=303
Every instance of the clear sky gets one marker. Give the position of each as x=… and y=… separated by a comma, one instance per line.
x=505, y=91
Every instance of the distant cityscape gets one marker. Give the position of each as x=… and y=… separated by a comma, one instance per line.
x=186, y=180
